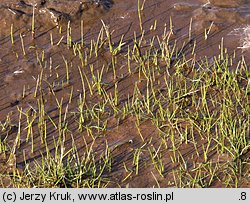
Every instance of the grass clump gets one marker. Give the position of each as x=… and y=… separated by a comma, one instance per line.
x=150, y=109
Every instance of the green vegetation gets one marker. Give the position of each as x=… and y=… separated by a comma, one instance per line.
x=188, y=119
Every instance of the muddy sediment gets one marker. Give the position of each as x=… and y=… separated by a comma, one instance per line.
x=34, y=43
x=49, y=13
